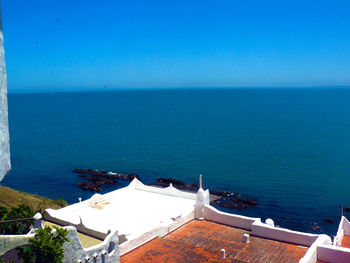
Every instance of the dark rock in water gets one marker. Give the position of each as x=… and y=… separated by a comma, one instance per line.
x=247, y=201
x=234, y=203
x=99, y=178
x=223, y=193
x=89, y=186
x=127, y=176
x=104, y=174
x=165, y=182
x=329, y=220
x=86, y=171
x=347, y=208
x=315, y=227
x=169, y=181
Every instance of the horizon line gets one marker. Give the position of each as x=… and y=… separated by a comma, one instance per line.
x=74, y=90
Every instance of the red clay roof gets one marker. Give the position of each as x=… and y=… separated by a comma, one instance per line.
x=201, y=241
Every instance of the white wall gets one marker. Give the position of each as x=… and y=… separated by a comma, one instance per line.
x=332, y=254
x=9, y=242
x=52, y=215
x=311, y=254
x=5, y=164
x=170, y=190
x=106, y=252
x=214, y=215
x=340, y=233
x=282, y=234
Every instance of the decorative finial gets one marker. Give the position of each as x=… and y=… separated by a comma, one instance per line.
x=200, y=181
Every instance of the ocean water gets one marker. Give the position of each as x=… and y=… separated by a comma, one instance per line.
x=287, y=148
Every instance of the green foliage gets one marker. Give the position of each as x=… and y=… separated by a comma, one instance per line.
x=11, y=260
x=45, y=247
x=22, y=227
x=61, y=202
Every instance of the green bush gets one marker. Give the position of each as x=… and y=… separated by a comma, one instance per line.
x=45, y=247
x=16, y=228
x=61, y=202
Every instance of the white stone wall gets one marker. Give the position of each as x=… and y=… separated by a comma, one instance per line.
x=105, y=252
x=5, y=164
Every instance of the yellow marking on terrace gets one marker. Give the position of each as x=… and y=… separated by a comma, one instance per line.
x=100, y=206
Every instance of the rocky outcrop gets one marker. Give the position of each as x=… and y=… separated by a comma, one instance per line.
x=234, y=202
x=89, y=186
x=105, y=174
x=165, y=182
x=99, y=178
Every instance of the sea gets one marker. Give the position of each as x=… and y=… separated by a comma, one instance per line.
x=287, y=148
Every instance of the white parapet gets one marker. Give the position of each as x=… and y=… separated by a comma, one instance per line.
x=282, y=234
x=343, y=229
x=202, y=199
x=106, y=252
x=312, y=254
x=332, y=254
x=214, y=215
x=9, y=242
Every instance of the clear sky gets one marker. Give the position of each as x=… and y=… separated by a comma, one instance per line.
x=59, y=44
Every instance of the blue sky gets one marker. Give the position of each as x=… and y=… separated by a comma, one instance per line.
x=59, y=44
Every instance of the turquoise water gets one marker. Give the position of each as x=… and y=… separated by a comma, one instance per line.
x=287, y=148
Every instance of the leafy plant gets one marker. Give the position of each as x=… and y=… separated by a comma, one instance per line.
x=61, y=202
x=13, y=228
x=45, y=247
x=11, y=260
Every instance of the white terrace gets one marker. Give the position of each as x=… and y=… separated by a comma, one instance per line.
x=136, y=211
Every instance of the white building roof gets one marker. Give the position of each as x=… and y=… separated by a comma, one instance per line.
x=133, y=210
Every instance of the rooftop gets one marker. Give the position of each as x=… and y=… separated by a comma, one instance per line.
x=133, y=210
x=202, y=241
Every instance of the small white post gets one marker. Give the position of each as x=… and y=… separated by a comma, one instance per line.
x=200, y=181
x=79, y=199
x=245, y=238
x=223, y=253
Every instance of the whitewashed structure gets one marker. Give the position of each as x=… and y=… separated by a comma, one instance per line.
x=139, y=213
x=5, y=164
x=127, y=218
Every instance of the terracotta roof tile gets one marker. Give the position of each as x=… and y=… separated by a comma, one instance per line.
x=201, y=241
x=345, y=242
